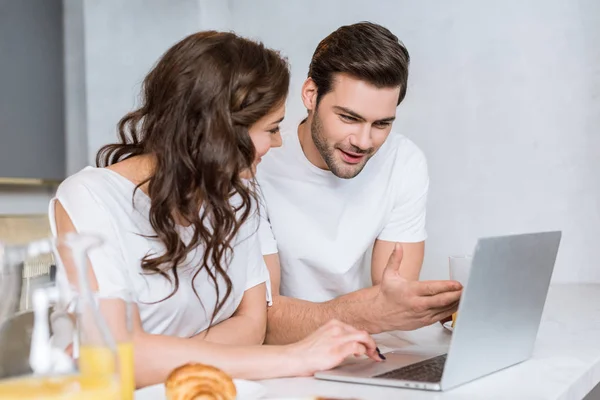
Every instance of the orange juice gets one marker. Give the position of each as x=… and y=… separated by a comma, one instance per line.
x=126, y=370
x=96, y=360
x=69, y=387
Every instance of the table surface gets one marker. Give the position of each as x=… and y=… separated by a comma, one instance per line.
x=565, y=362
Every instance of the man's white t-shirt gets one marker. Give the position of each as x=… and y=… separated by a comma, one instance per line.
x=99, y=201
x=324, y=227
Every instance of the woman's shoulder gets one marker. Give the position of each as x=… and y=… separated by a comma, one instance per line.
x=100, y=182
x=87, y=178
x=98, y=189
x=98, y=199
x=80, y=186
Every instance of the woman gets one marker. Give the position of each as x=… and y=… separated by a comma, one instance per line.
x=176, y=204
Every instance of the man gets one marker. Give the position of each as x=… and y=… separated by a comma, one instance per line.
x=344, y=223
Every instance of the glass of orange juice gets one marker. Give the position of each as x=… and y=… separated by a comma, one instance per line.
x=460, y=267
x=117, y=310
x=59, y=387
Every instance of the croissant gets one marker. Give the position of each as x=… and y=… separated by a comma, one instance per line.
x=195, y=381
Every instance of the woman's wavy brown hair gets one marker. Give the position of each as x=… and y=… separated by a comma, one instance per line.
x=197, y=106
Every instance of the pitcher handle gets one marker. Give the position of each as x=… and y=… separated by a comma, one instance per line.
x=43, y=357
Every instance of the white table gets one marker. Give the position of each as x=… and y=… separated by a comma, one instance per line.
x=565, y=363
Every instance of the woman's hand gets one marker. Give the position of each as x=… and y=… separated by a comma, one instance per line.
x=328, y=346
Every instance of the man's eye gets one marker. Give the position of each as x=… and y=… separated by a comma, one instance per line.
x=382, y=125
x=348, y=118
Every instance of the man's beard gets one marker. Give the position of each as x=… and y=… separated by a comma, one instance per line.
x=338, y=168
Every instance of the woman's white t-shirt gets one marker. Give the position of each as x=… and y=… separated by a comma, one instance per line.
x=99, y=201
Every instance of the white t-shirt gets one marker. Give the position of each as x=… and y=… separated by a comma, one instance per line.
x=99, y=201
x=324, y=227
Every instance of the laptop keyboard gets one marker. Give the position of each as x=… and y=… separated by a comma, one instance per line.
x=429, y=370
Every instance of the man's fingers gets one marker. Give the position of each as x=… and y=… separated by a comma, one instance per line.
x=444, y=319
x=433, y=288
x=442, y=300
x=445, y=314
x=395, y=258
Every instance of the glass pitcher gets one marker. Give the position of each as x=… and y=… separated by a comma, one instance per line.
x=88, y=368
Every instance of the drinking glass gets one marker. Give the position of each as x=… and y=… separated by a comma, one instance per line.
x=460, y=268
x=117, y=310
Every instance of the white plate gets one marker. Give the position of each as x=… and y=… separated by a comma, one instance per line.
x=246, y=390
x=448, y=325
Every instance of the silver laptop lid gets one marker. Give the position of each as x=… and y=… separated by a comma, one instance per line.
x=501, y=306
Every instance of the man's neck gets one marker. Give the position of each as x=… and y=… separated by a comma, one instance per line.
x=308, y=145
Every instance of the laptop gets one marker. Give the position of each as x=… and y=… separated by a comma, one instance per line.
x=496, y=326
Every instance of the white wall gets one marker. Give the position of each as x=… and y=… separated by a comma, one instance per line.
x=123, y=40
x=504, y=98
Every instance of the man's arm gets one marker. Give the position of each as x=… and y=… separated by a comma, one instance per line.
x=396, y=303
x=290, y=320
x=406, y=221
x=411, y=262
x=351, y=308
x=246, y=326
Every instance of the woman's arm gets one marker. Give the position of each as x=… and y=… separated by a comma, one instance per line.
x=157, y=355
x=247, y=326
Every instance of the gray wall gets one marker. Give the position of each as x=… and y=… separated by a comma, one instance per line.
x=75, y=86
x=31, y=116
x=504, y=99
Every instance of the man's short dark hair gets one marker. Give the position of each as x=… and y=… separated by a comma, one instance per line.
x=365, y=51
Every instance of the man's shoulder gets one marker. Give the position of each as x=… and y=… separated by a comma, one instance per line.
x=404, y=151
x=276, y=158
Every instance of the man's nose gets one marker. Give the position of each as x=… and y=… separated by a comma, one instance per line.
x=362, y=138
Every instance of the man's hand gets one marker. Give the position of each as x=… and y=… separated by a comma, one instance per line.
x=408, y=305
x=394, y=304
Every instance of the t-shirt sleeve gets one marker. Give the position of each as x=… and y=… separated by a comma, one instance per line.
x=257, y=269
x=267, y=242
x=90, y=216
x=407, y=221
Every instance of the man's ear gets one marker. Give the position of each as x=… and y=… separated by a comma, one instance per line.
x=309, y=95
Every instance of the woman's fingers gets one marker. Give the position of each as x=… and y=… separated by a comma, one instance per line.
x=362, y=342
x=352, y=341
